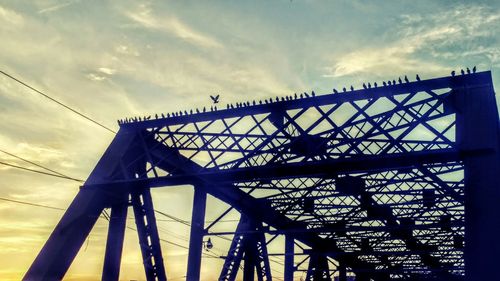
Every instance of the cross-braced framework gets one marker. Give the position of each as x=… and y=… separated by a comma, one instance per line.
x=398, y=182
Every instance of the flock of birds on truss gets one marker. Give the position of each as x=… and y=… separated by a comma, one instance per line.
x=215, y=99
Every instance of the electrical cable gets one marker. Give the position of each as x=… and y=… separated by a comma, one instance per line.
x=58, y=102
x=33, y=163
x=39, y=172
x=31, y=204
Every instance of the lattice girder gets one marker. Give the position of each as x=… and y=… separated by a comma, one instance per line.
x=378, y=179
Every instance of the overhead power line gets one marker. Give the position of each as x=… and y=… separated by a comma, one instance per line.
x=33, y=163
x=31, y=204
x=53, y=172
x=58, y=102
x=39, y=172
x=105, y=215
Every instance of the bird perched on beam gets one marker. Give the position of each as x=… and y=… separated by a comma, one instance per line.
x=474, y=69
x=453, y=73
x=406, y=79
x=215, y=99
x=418, y=77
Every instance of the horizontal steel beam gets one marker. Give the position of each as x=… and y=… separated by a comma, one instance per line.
x=326, y=168
x=334, y=229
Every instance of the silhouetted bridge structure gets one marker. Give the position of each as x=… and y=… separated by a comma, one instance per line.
x=398, y=182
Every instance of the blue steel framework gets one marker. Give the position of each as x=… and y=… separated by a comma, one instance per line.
x=398, y=182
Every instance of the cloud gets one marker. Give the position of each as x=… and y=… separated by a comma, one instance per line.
x=421, y=40
x=126, y=50
x=172, y=25
x=108, y=71
x=56, y=7
x=10, y=17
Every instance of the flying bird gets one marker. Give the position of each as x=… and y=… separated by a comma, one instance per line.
x=215, y=99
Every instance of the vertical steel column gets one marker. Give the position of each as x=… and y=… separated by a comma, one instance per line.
x=289, y=257
x=196, y=236
x=148, y=235
x=235, y=253
x=114, y=243
x=262, y=265
x=250, y=259
x=318, y=268
x=342, y=272
x=477, y=135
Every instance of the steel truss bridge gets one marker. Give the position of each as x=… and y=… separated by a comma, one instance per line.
x=399, y=182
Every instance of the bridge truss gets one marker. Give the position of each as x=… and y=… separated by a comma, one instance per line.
x=398, y=182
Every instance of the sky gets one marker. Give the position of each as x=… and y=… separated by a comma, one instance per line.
x=115, y=59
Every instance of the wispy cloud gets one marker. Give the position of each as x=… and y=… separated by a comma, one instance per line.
x=10, y=17
x=56, y=7
x=172, y=25
x=418, y=36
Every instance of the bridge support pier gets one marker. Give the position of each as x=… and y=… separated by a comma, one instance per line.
x=478, y=137
x=342, y=272
x=148, y=235
x=318, y=268
x=114, y=243
x=196, y=236
x=289, y=257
